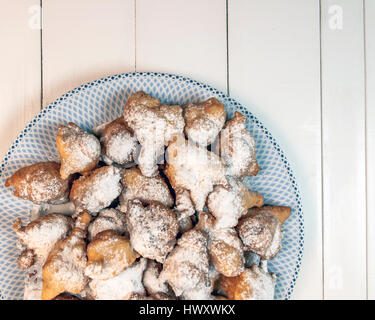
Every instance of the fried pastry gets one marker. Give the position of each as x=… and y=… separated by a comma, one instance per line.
x=195, y=169
x=151, y=279
x=184, y=205
x=260, y=230
x=108, y=254
x=226, y=252
x=227, y=205
x=153, y=229
x=40, y=235
x=40, y=183
x=108, y=219
x=64, y=268
x=119, y=144
x=203, y=121
x=154, y=125
x=224, y=246
x=97, y=190
x=79, y=151
x=253, y=283
x=123, y=285
x=186, y=268
x=237, y=148
x=146, y=189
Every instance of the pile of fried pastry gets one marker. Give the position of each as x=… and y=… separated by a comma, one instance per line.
x=160, y=209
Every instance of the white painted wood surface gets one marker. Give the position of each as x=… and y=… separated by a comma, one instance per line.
x=19, y=67
x=85, y=40
x=274, y=69
x=370, y=104
x=343, y=131
x=274, y=54
x=183, y=37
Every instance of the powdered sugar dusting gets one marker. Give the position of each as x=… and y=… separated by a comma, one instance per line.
x=154, y=125
x=237, y=147
x=121, y=286
x=153, y=229
x=194, y=168
x=79, y=150
x=98, y=190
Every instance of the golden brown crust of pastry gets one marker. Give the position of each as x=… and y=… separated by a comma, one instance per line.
x=108, y=254
x=237, y=148
x=154, y=125
x=252, y=284
x=97, y=190
x=224, y=246
x=79, y=151
x=118, y=142
x=40, y=183
x=145, y=189
x=226, y=252
x=64, y=268
x=203, y=121
x=260, y=230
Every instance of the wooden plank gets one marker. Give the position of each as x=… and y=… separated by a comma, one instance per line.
x=85, y=40
x=370, y=73
x=20, y=67
x=183, y=37
x=274, y=70
x=344, y=186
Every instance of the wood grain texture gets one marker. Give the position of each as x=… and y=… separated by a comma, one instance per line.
x=85, y=40
x=274, y=70
x=20, y=67
x=344, y=186
x=370, y=103
x=183, y=37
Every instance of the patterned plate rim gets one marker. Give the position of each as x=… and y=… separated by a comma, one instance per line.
x=217, y=92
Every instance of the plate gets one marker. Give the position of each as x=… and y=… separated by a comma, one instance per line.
x=103, y=100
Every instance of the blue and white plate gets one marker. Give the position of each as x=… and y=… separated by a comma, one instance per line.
x=103, y=100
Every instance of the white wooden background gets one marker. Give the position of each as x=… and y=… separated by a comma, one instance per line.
x=306, y=68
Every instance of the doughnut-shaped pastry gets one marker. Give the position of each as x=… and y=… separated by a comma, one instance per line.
x=79, y=151
x=40, y=183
